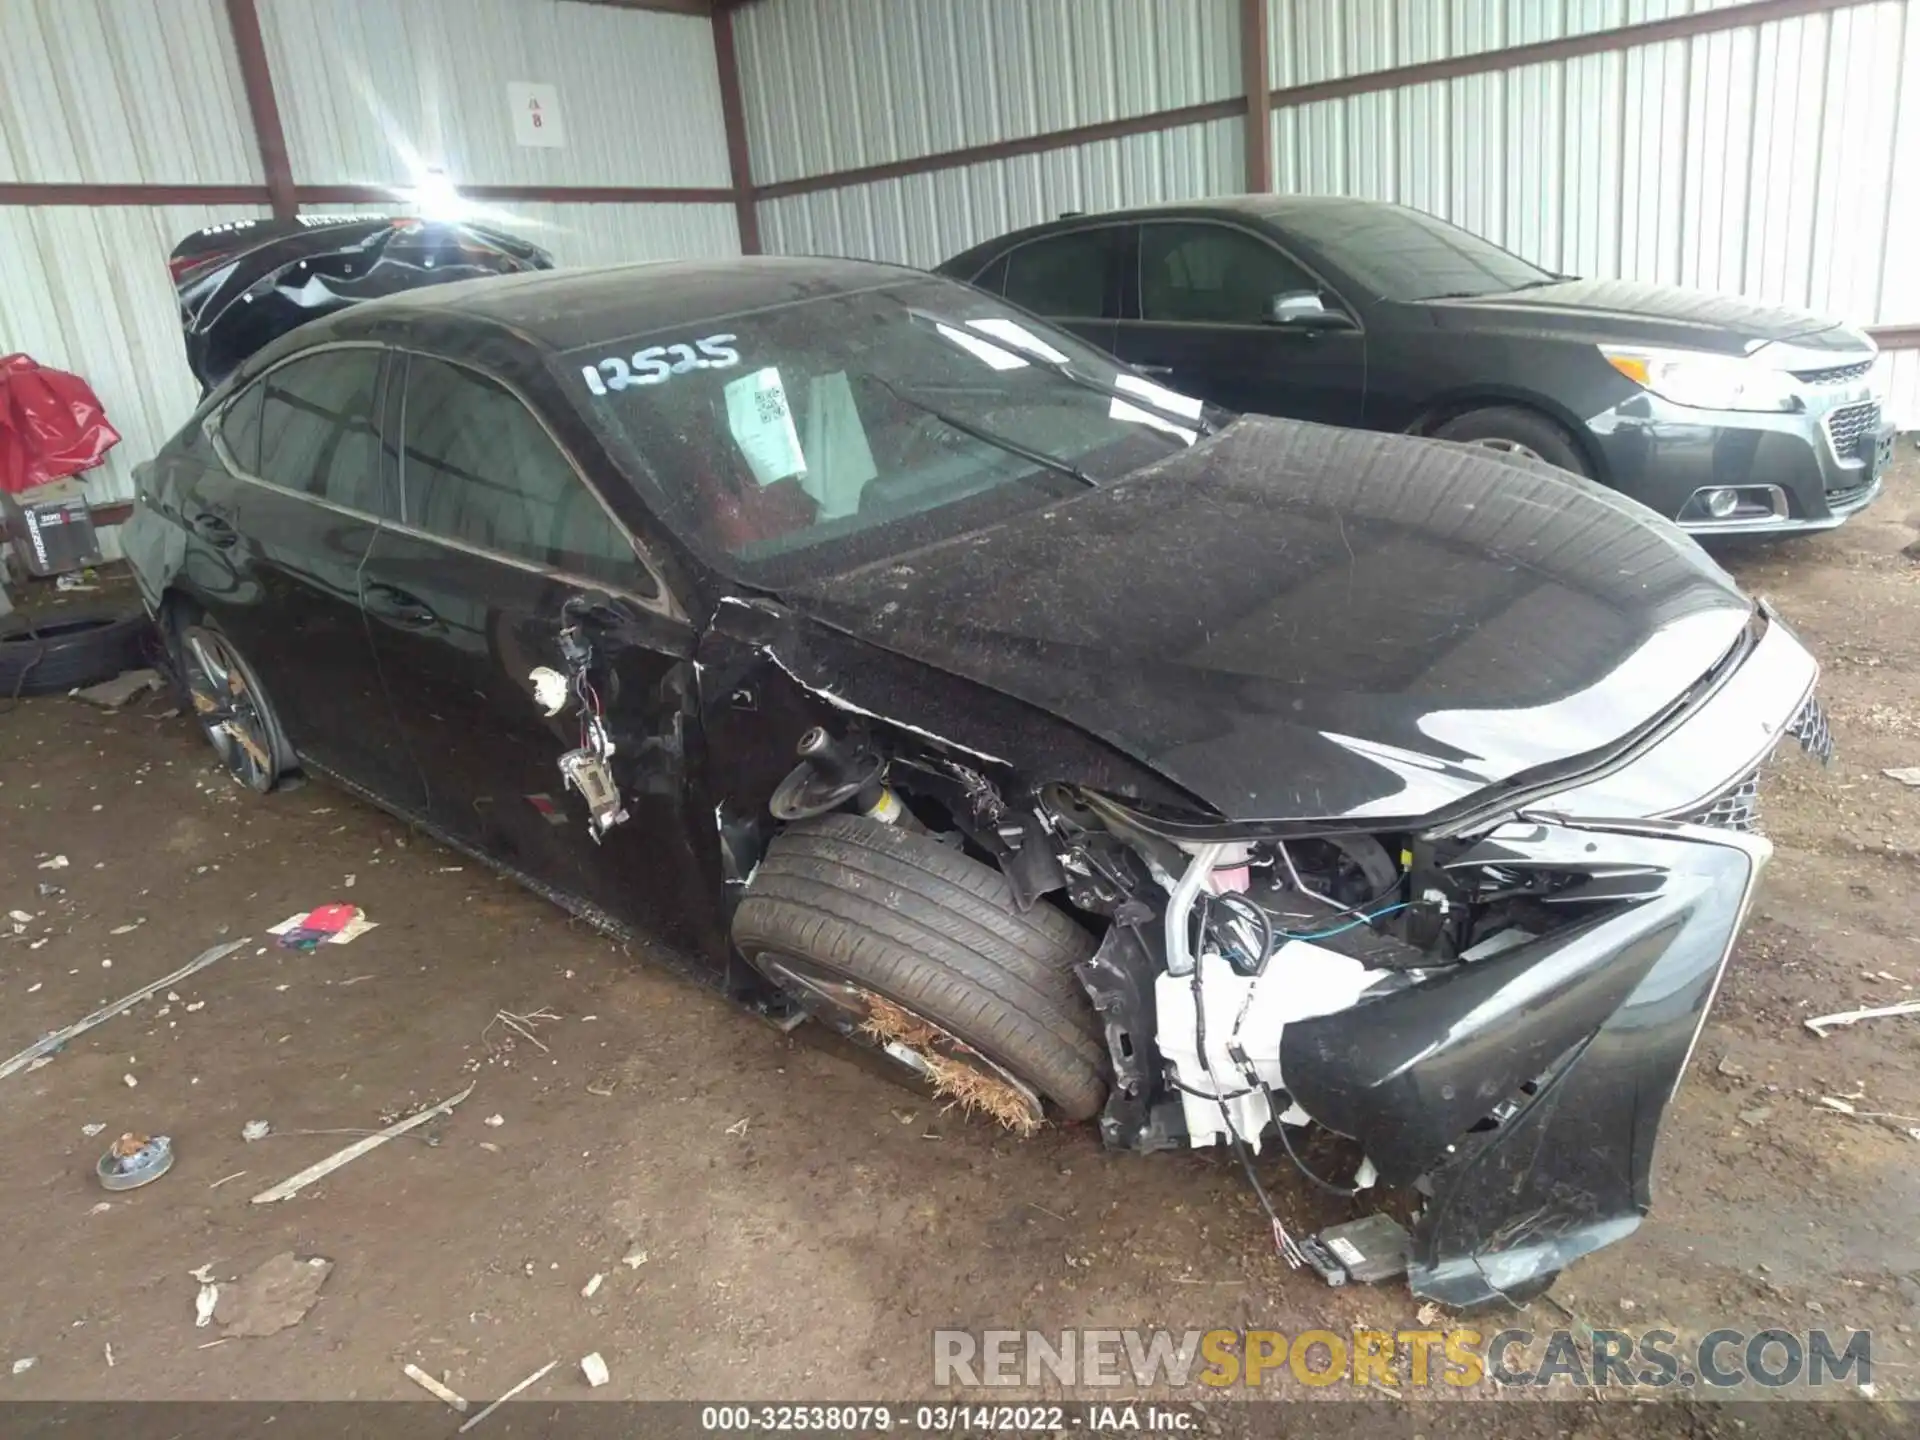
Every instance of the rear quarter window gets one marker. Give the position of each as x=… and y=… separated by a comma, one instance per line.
x=239, y=429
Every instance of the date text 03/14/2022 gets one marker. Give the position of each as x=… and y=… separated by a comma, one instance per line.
x=947, y=1418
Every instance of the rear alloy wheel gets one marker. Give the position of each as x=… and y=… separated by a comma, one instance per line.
x=1513, y=431
x=232, y=708
x=912, y=946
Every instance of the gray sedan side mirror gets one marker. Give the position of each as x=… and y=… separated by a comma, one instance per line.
x=1304, y=310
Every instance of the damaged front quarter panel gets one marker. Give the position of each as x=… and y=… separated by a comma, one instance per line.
x=766, y=675
x=1523, y=1093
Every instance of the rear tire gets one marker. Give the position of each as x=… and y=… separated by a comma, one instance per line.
x=229, y=701
x=931, y=930
x=1514, y=431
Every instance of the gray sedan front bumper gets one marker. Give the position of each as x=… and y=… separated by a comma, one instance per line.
x=1799, y=472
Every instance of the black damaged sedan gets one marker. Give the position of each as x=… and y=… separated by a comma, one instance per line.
x=1093, y=753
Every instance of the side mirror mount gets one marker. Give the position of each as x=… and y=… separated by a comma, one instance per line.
x=1304, y=310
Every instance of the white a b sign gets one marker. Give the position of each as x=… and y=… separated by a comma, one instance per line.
x=536, y=114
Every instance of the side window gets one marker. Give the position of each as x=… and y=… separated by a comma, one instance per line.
x=316, y=428
x=1065, y=277
x=240, y=428
x=1212, y=274
x=478, y=468
x=993, y=279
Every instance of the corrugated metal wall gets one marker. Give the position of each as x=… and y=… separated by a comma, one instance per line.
x=122, y=91
x=922, y=219
x=373, y=91
x=598, y=234
x=1311, y=40
x=370, y=90
x=1778, y=161
x=834, y=84
x=1757, y=160
x=149, y=92
x=87, y=290
x=114, y=92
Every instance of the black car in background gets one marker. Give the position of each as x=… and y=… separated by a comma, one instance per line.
x=1720, y=414
x=907, y=666
x=243, y=283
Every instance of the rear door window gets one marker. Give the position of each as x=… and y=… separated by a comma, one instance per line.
x=316, y=430
x=1201, y=274
x=1067, y=277
x=239, y=428
x=993, y=279
x=478, y=468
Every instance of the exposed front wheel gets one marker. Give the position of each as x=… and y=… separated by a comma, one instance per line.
x=917, y=948
x=1514, y=431
x=232, y=706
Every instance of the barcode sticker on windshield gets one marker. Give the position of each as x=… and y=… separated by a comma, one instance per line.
x=762, y=426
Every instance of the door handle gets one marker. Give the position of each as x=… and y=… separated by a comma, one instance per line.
x=1154, y=369
x=215, y=529
x=390, y=602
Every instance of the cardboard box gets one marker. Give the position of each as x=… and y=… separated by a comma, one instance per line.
x=50, y=528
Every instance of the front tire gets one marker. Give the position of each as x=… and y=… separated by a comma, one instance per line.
x=1513, y=431
x=875, y=922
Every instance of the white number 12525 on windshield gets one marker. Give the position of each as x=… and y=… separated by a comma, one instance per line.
x=659, y=363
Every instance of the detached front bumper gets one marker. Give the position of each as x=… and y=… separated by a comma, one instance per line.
x=1522, y=1093
x=1808, y=471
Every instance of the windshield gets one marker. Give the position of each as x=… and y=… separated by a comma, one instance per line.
x=809, y=437
x=1403, y=254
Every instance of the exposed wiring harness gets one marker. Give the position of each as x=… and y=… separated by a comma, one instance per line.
x=1244, y=934
x=1286, y=1143
x=1352, y=924
x=1235, y=939
x=1282, y=1241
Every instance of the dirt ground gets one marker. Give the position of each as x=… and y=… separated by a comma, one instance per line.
x=805, y=1222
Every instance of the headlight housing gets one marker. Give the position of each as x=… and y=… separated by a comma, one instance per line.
x=1705, y=382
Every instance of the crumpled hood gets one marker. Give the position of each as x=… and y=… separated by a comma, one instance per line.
x=1628, y=312
x=1293, y=622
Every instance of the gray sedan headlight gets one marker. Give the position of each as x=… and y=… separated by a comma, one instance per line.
x=1705, y=382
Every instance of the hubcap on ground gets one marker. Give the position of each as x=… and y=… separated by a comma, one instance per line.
x=952, y=1067
x=227, y=709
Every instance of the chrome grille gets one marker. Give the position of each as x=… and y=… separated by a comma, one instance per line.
x=1738, y=806
x=1834, y=375
x=1849, y=424
x=1810, y=728
x=1734, y=809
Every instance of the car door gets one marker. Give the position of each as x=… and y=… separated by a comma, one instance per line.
x=1200, y=318
x=1073, y=278
x=288, y=521
x=501, y=544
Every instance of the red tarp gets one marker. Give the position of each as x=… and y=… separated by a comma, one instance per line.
x=51, y=424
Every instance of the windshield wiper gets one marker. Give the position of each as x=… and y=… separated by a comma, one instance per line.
x=982, y=434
